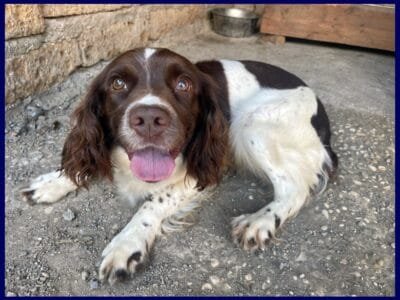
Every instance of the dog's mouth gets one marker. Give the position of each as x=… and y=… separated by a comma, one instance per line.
x=152, y=164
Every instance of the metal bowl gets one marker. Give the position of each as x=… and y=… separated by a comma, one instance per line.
x=233, y=22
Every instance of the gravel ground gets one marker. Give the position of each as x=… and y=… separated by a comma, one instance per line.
x=340, y=244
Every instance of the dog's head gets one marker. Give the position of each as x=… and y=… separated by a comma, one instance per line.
x=156, y=105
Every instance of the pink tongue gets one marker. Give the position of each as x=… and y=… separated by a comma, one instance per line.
x=151, y=164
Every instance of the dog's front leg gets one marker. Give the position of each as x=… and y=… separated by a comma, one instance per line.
x=130, y=248
x=48, y=188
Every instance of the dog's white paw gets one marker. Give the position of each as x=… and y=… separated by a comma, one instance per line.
x=124, y=256
x=47, y=188
x=255, y=231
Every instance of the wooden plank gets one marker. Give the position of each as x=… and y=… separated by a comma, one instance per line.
x=358, y=25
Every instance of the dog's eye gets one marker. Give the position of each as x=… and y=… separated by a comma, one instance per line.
x=183, y=85
x=118, y=84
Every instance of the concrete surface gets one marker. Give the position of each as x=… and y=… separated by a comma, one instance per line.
x=340, y=244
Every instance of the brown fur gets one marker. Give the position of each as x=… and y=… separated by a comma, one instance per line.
x=207, y=148
x=199, y=128
x=86, y=152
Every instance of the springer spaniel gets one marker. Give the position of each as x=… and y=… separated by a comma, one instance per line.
x=162, y=129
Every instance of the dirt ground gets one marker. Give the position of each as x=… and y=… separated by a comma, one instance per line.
x=340, y=244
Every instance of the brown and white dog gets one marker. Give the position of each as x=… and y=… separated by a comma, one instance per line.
x=161, y=128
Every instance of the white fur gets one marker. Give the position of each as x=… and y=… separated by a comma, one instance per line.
x=48, y=188
x=170, y=202
x=148, y=52
x=149, y=99
x=242, y=84
x=270, y=134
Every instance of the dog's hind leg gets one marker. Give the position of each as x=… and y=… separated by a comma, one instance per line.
x=276, y=139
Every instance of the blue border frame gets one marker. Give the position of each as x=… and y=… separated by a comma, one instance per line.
x=2, y=145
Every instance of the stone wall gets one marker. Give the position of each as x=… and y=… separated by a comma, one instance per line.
x=45, y=43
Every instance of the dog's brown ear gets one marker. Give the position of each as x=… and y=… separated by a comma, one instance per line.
x=205, y=153
x=86, y=152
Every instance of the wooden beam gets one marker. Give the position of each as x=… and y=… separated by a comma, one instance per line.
x=369, y=26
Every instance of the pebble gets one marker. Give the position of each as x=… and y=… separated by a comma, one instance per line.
x=206, y=286
x=354, y=194
x=85, y=275
x=11, y=294
x=33, y=111
x=382, y=168
x=372, y=168
x=301, y=257
x=48, y=210
x=248, y=277
x=379, y=263
x=325, y=213
x=302, y=276
x=68, y=215
x=215, y=280
x=214, y=263
x=93, y=284
x=251, y=197
x=324, y=228
x=264, y=286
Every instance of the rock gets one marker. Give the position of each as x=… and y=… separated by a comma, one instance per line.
x=264, y=286
x=11, y=294
x=69, y=10
x=206, y=286
x=33, y=112
x=214, y=280
x=248, y=277
x=301, y=257
x=68, y=215
x=85, y=275
x=23, y=20
x=324, y=228
x=354, y=194
x=164, y=19
x=93, y=284
x=214, y=263
x=39, y=69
